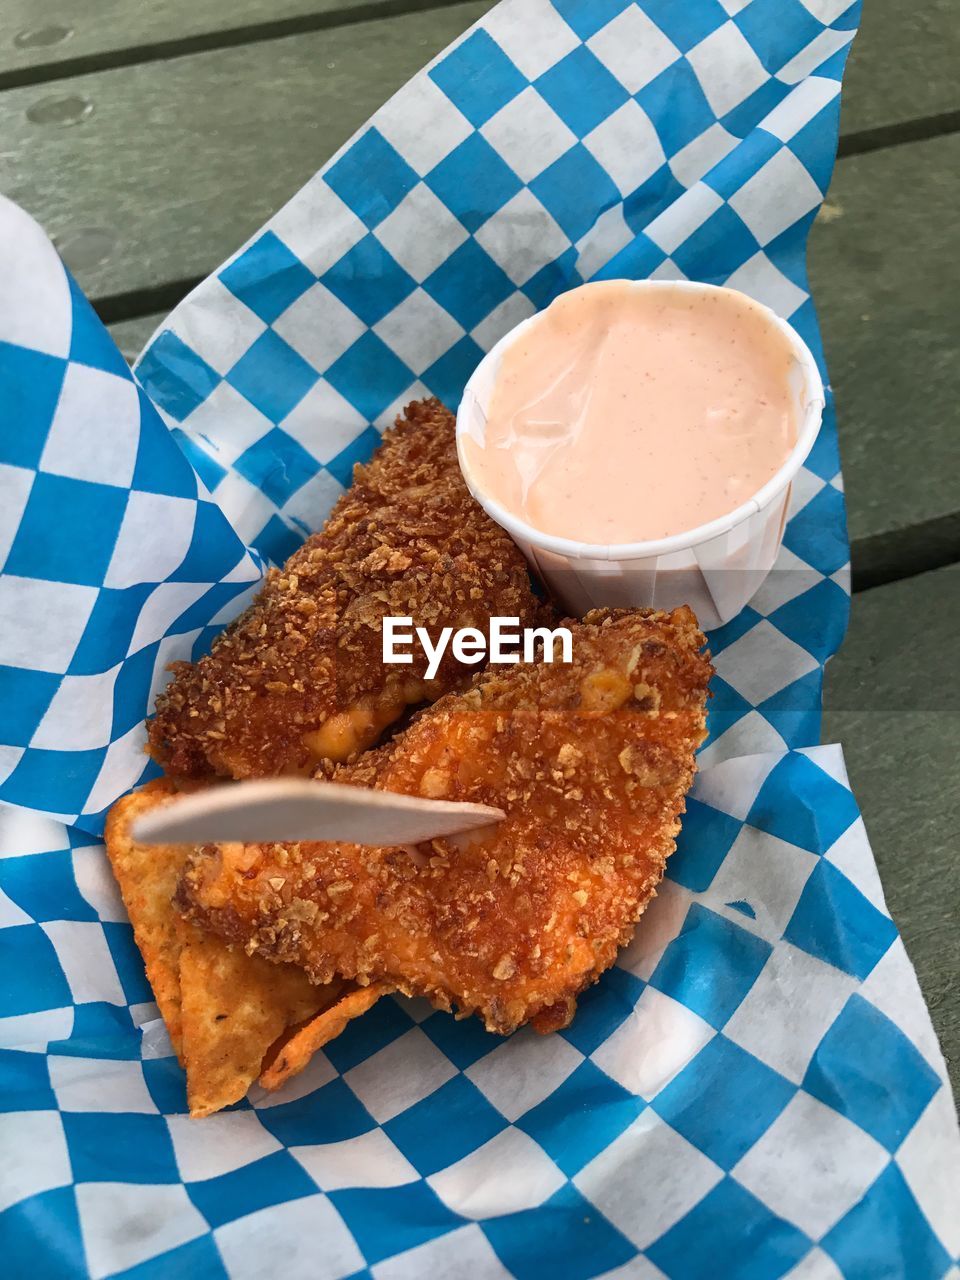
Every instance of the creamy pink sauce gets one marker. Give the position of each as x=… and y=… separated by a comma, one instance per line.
x=624, y=415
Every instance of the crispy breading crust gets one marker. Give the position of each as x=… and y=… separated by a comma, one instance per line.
x=406, y=540
x=591, y=762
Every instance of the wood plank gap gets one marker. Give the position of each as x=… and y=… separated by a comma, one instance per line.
x=118, y=307
x=159, y=51
x=905, y=553
x=897, y=135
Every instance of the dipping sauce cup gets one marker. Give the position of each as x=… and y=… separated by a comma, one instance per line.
x=715, y=567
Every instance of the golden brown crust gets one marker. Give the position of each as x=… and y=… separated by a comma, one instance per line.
x=234, y=1008
x=591, y=762
x=406, y=540
x=147, y=876
x=294, y=1052
x=224, y=1010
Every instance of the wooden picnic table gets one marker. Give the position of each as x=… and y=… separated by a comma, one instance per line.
x=152, y=140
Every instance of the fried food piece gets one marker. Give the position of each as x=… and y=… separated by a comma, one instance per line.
x=290, y=1057
x=591, y=762
x=147, y=876
x=234, y=1009
x=299, y=677
x=224, y=1009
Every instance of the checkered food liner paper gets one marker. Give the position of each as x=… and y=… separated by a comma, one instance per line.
x=762, y=1046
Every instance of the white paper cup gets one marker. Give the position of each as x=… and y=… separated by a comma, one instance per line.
x=715, y=568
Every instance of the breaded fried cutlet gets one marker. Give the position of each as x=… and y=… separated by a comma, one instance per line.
x=299, y=678
x=591, y=762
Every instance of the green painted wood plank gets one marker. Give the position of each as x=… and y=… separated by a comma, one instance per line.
x=892, y=700
x=885, y=277
x=39, y=38
x=141, y=172
x=903, y=65
x=156, y=172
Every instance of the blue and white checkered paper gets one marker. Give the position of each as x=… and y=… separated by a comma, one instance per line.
x=755, y=1089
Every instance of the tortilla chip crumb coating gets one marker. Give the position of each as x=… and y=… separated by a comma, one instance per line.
x=591, y=762
x=299, y=677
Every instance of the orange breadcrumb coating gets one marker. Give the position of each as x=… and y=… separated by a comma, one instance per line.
x=299, y=677
x=591, y=762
